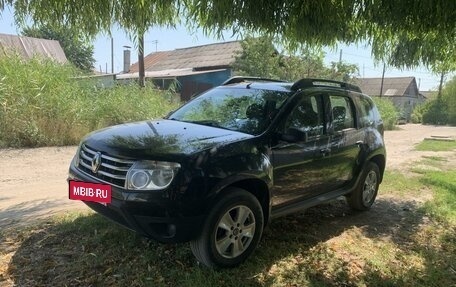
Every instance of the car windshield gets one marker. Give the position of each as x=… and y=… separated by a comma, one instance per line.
x=244, y=110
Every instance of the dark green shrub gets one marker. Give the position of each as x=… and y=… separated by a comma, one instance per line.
x=436, y=112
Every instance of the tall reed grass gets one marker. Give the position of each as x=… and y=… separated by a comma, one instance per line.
x=41, y=104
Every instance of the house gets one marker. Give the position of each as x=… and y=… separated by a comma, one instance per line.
x=196, y=69
x=28, y=47
x=403, y=92
x=429, y=95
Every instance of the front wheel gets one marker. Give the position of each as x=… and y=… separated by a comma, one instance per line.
x=365, y=193
x=232, y=230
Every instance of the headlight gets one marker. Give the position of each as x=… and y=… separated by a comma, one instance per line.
x=151, y=175
x=76, y=156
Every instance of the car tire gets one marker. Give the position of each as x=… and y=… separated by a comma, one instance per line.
x=365, y=193
x=231, y=231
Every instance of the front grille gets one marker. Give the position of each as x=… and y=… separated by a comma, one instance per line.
x=112, y=170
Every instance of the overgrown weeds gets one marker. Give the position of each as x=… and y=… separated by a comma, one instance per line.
x=41, y=104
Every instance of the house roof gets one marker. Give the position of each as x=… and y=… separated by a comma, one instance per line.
x=429, y=94
x=166, y=74
x=212, y=56
x=149, y=61
x=391, y=86
x=28, y=47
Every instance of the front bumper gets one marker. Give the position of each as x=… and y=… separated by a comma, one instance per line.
x=152, y=214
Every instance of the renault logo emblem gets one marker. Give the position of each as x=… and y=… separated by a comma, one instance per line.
x=96, y=162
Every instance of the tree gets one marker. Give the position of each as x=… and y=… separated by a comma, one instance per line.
x=403, y=34
x=78, y=52
x=342, y=71
x=260, y=58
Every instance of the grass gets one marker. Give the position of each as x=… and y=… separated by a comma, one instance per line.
x=400, y=242
x=443, y=206
x=436, y=145
x=408, y=238
x=41, y=104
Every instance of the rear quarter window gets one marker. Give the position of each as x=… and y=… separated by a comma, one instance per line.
x=368, y=113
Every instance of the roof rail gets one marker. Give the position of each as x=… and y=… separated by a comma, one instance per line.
x=240, y=79
x=307, y=83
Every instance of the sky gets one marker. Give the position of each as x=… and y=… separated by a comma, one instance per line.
x=163, y=39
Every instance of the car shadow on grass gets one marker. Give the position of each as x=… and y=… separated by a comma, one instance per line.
x=89, y=250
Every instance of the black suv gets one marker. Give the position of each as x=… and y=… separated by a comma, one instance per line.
x=216, y=170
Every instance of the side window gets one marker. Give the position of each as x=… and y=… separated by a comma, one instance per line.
x=367, y=113
x=342, y=113
x=307, y=117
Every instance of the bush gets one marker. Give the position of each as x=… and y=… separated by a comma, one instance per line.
x=388, y=112
x=439, y=111
x=417, y=114
x=41, y=105
x=436, y=112
x=449, y=98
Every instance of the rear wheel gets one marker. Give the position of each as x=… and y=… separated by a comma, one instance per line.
x=365, y=193
x=231, y=231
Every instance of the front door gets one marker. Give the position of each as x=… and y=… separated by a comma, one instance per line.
x=298, y=170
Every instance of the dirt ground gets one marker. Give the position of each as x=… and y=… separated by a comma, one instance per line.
x=33, y=181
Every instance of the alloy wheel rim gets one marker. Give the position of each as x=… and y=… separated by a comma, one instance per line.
x=370, y=185
x=235, y=231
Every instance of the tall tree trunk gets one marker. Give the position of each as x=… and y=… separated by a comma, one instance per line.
x=142, y=74
x=383, y=78
x=441, y=85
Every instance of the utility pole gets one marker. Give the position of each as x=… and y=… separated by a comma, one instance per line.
x=156, y=44
x=142, y=74
x=112, y=55
x=383, y=77
x=340, y=57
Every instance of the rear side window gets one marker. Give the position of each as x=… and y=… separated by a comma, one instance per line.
x=368, y=112
x=342, y=113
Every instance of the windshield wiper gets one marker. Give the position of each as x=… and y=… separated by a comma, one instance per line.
x=206, y=123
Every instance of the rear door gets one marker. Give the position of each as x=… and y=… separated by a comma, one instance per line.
x=345, y=138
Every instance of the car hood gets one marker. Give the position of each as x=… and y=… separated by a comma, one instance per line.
x=159, y=139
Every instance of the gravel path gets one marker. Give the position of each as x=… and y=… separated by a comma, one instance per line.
x=33, y=181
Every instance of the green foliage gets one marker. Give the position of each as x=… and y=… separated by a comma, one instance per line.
x=449, y=97
x=435, y=112
x=401, y=34
x=388, y=112
x=257, y=58
x=417, y=113
x=440, y=110
x=260, y=58
x=41, y=104
x=77, y=51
